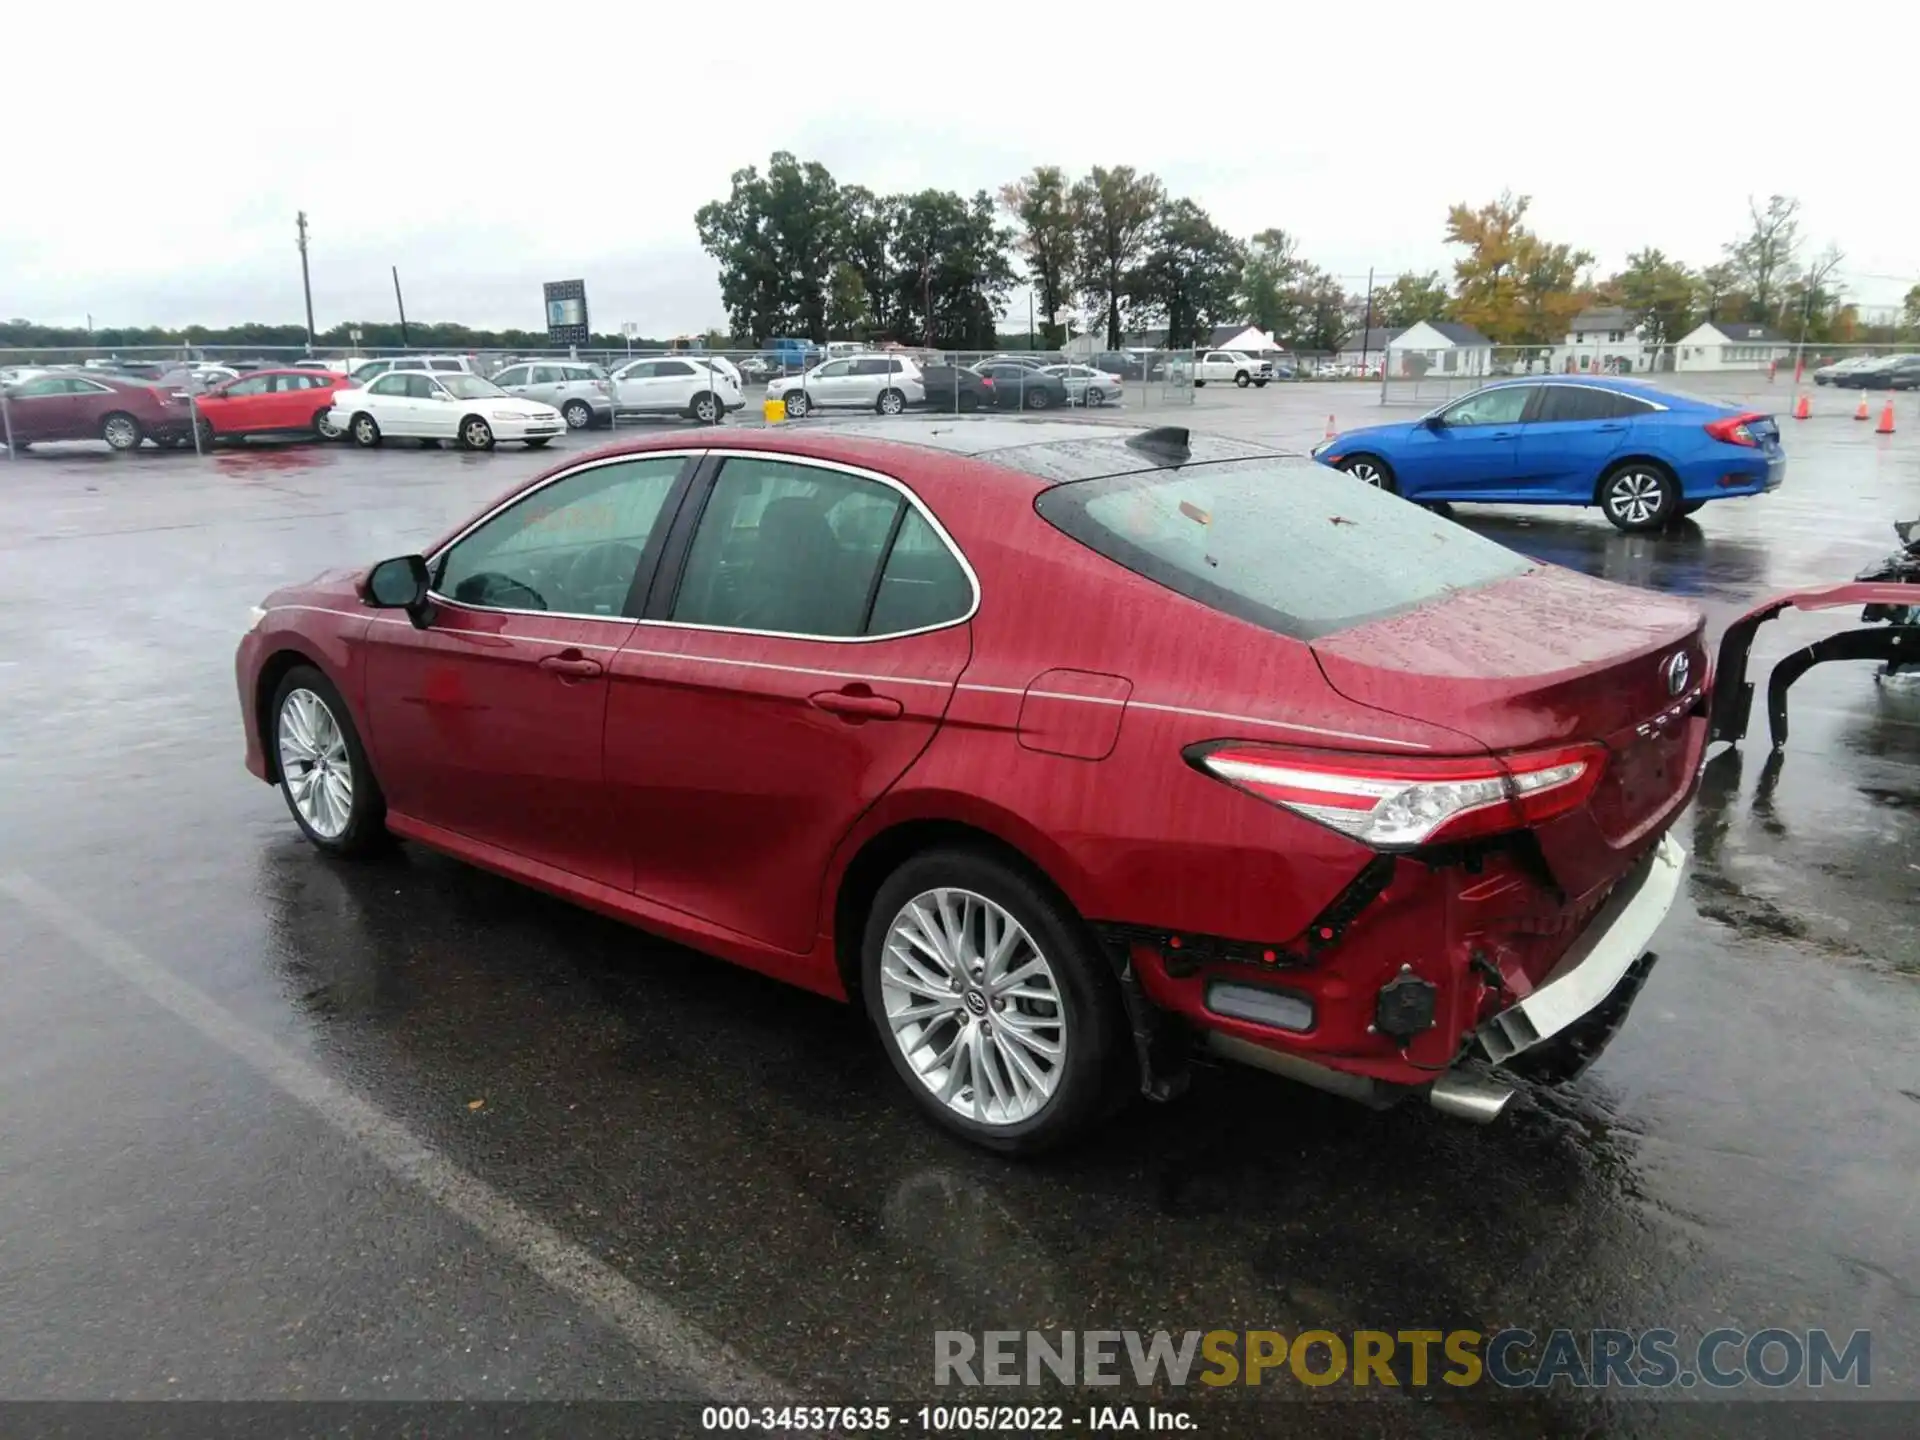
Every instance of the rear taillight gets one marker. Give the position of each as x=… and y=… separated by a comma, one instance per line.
x=165, y=397
x=1394, y=802
x=986, y=382
x=1734, y=429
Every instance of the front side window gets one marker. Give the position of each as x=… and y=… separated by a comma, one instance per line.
x=572, y=547
x=512, y=375
x=792, y=549
x=640, y=371
x=258, y=385
x=1503, y=406
x=833, y=371
x=388, y=385
x=1290, y=546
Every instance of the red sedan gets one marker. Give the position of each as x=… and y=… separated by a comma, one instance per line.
x=69, y=405
x=1063, y=749
x=270, y=402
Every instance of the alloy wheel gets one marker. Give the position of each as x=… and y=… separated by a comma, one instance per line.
x=1367, y=473
x=796, y=403
x=365, y=431
x=706, y=409
x=974, y=1006
x=314, y=764
x=478, y=436
x=890, y=403
x=1635, y=497
x=324, y=427
x=121, y=433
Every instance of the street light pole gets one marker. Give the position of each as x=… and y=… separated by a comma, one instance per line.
x=306, y=280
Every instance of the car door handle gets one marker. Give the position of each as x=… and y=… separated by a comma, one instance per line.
x=1501, y=435
x=570, y=665
x=857, y=702
x=1608, y=429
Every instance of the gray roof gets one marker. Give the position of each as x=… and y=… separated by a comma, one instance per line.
x=1749, y=332
x=1223, y=333
x=1374, y=341
x=1459, y=334
x=1602, y=317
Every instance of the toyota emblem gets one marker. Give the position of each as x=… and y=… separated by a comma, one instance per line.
x=1679, y=672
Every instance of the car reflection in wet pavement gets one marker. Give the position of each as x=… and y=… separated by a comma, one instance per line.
x=197, y=1003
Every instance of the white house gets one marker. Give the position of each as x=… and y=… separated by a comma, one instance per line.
x=1367, y=348
x=1602, y=338
x=1439, y=347
x=1730, y=345
x=1247, y=339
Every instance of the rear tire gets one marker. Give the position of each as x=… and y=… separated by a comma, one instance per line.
x=891, y=402
x=705, y=408
x=1039, y=399
x=365, y=431
x=1638, y=496
x=323, y=428
x=121, y=431
x=1069, y=1002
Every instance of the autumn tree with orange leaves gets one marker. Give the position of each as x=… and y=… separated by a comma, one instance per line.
x=1512, y=286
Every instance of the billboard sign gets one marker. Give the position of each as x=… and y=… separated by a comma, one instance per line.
x=567, y=312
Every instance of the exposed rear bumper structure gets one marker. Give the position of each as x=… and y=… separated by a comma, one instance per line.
x=1593, y=986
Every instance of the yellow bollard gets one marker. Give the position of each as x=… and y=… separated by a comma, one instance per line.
x=773, y=410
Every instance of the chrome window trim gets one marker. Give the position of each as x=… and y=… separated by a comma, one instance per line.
x=859, y=473
x=595, y=463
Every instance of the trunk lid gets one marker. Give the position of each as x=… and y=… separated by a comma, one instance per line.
x=1547, y=658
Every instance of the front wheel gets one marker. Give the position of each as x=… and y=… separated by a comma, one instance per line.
x=1242, y=379
x=475, y=434
x=578, y=413
x=323, y=769
x=797, y=404
x=1637, y=498
x=992, y=1001
x=1369, y=471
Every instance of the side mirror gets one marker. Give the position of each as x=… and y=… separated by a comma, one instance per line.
x=400, y=584
x=1434, y=422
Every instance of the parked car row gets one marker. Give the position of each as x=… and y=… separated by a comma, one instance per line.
x=1872, y=372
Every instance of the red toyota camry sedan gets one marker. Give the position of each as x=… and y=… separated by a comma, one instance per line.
x=1065, y=750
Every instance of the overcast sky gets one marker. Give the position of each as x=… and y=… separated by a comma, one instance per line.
x=442, y=138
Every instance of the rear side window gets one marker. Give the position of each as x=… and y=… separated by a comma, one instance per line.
x=1585, y=402
x=445, y=365
x=1288, y=545
x=922, y=584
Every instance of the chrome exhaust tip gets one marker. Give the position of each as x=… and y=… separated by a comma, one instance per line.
x=1467, y=1095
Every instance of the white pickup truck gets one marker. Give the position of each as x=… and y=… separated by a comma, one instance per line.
x=1222, y=365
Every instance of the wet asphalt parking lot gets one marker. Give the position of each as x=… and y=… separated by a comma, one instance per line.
x=278, y=1128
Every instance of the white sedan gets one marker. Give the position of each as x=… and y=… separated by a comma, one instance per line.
x=415, y=405
x=1086, y=385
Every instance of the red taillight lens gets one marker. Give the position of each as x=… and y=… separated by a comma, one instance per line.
x=986, y=382
x=1734, y=429
x=1394, y=802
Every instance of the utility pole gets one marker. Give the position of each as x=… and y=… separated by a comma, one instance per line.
x=306, y=282
x=1366, y=327
x=1029, y=319
x=405, y=343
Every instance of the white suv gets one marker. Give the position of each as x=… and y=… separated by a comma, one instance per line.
x=670, y=385
x=886, y=383
x=360, y=372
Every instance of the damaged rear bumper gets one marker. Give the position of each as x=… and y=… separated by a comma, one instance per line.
x=1733, y=692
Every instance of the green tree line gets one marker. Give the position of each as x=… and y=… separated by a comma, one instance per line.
x=374, y=335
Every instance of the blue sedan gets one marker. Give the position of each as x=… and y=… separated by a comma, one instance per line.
x=1644, y=455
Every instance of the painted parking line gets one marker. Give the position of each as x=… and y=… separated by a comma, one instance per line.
x=646, y=1322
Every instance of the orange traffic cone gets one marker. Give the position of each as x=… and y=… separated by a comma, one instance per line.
x=1801, y=409
x=1863, y=413
x=1885, y=427
x=1330, y=431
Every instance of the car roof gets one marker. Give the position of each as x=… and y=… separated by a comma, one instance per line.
x=1041, y=452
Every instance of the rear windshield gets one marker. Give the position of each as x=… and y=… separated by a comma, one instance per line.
x=1285, y=544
